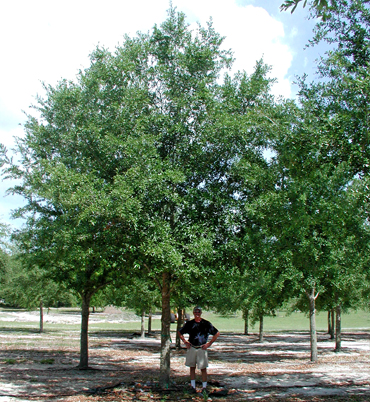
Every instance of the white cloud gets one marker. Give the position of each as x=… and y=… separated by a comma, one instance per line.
x=250, y=32
x=43, y=40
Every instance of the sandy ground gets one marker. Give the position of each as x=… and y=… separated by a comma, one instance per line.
x=42, y=367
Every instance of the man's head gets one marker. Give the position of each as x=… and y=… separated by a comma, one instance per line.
x=197, y=311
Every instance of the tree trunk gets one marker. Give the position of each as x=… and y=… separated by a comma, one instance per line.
x=150, y=322
x=261, y=328
x=338, y=329
x=332, y=323
x=165, y=360
x=142, y=332
x=41, y=317
x=246, y=321
x=84, y=345
x=180, y=320
x=313, y=334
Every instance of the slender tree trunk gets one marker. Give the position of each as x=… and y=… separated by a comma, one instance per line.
x=142, y=332
x=332, y=323
x=165, y=360
x=84, y=344
x=180, y=320
x=338, y=329
x=261, y=328
x=313, y=334
x=150, y=322
x=246, y=321
x=41, y=317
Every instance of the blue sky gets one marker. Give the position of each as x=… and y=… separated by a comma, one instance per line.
x=45, y=41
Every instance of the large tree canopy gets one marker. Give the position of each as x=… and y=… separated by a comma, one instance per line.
x=150, y=165
x=120, y=169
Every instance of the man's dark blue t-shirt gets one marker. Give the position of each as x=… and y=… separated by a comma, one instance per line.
x=198, y=331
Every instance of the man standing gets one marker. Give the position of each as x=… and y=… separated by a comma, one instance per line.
x=197, y=345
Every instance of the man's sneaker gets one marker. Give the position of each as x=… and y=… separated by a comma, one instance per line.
x=204, y=392
x=191, y=390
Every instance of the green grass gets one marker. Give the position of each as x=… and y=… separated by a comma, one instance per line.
x=126, y=326
x=234, y=323
x=355, y=320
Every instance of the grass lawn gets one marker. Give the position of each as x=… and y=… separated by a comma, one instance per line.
x=355, y=320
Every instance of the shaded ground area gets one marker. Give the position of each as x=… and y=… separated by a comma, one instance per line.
x=42, y=367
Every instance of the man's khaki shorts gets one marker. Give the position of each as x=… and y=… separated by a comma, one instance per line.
x=196, y=358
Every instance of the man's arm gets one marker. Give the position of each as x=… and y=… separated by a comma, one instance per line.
x=187, y=344
x=208, y=344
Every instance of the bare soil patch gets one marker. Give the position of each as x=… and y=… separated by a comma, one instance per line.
x=124, y=367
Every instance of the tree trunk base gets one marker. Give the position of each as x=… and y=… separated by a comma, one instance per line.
x=87, y=368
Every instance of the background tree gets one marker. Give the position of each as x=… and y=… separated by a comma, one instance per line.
x=67, y=168
x=318, y=217
x=247, y=125
x=139, y=294
x=344, y=85
x=343, y=93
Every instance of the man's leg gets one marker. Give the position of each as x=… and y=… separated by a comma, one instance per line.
x=204, y=377
x=203, y=364
x=192, y=376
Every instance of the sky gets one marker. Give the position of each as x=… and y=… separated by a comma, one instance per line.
x=46, y=41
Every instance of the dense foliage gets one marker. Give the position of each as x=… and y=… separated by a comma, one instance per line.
x=154, y=178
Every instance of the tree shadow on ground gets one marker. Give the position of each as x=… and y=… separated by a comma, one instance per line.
x=279, y=347
x=126, y=340
x=46, y=373
x=118, y=358
x=26, y=330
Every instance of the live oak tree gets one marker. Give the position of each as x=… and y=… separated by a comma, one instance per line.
x=343, y=81
x=69, y=160
x=336, y=129
x=251, y=116
x=66, y=236
x=346, y=280
x=344, y=84
x=113, y=167
x=319, y=216
x=182, y=68
x=344, y=90
x=246, y=244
